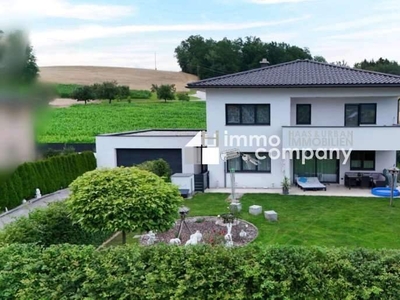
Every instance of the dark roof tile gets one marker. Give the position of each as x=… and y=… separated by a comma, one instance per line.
x=301, y=73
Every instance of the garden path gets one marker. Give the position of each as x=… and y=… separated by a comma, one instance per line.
x=25, y=209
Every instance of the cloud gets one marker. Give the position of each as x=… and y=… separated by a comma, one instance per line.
x=89, y=32
x=362, y=22
x=17, y=10
x=276, y=1
x=365, y=34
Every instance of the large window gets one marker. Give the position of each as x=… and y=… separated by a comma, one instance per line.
x=240, y=166
x=362, y=161
x=303, y=114
x=248, y=114
x=360, y=114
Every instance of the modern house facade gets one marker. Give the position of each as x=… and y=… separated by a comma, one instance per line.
x=325, y=111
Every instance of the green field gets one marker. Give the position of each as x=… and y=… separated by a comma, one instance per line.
x=81, y=123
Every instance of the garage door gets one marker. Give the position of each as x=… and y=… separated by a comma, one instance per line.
x=131, y=157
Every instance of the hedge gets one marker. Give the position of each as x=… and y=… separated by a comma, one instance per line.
x=49, y=175
x=49, y=226
x=159, y=167
x=170, y=272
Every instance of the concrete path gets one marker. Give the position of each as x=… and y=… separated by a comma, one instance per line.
x=25, y=209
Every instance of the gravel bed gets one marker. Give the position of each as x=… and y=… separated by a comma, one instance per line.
x=212, y=229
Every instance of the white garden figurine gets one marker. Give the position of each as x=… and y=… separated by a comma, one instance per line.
x=192, y=240
x=151, y=238
x=38, y=193
x=243, y=234
x=199, y=236
x=175, y=241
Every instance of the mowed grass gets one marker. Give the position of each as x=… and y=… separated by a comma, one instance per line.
x=81, y=123
x=314, y=221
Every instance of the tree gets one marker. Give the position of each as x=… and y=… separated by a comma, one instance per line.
x=17, y=60
x=107, y=90
x=123, y=91
x=83, y=93
x=381, y=65
x=123, y=199
x=166, y=92
x=210, y=58
x=341, y=63
x=319, y=58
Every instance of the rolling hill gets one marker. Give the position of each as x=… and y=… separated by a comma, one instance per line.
x=135, y=78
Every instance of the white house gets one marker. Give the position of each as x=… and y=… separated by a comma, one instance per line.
x=309, y=106
x=319, y=109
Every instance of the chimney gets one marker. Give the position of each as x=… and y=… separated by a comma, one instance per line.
x=264, y=63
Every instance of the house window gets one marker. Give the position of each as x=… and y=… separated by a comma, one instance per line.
x=240, y=166
x=360, y=114
x=248, y=114
x=303, y=114
x=362, y=161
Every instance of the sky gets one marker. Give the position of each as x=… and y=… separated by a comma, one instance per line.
x=128, y=33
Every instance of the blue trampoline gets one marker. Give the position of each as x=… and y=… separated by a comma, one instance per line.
x=384, y=192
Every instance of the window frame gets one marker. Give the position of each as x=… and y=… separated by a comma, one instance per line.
x=251, y=171
x=297, y=113
x=362, y=168
x=256, y=105
x=359, y=105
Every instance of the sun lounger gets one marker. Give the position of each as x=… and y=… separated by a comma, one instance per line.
x=310, y=183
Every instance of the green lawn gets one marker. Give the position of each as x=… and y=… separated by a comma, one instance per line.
x=81, y=123
x=311, y=220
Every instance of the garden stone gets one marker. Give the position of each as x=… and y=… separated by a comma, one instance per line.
x=255, y=210
x=175, y=241
x=235, y=207
x=271, y=215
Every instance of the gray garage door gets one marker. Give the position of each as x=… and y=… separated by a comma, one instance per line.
x=131, y=157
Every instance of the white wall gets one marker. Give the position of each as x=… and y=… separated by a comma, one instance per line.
x=329, y=112
x=106, y=148
x=280, y=116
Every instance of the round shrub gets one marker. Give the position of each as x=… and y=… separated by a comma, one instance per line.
x=183, y=96
x=159, y=167
x=123, y=199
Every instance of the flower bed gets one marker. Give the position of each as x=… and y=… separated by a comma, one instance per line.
x=212, y=229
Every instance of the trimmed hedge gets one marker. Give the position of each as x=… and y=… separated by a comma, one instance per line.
x=49, y=226
x=170, y=272
x=48, y=175
x=140, y=94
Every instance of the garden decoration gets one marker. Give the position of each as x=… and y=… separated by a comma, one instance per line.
x=151, y=238
x=175, y=241
x=229, y=220
x=243, y=234
x=38, y=193
x=394, y=171
x=232, y=154
x=183, y=212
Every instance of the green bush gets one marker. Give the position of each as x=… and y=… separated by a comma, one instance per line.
x=66, y=90
x=183, y=96
x=49, y=175
x=123, y=199
x=159, y=167
x=48, y=226
x=170, y=272
x=140, y=94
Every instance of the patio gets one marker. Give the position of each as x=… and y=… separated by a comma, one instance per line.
x=331, y=190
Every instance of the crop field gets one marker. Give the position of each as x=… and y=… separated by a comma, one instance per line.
x=137, y=79
x=81, y=123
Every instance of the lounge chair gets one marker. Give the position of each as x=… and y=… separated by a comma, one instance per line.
x=310, y=183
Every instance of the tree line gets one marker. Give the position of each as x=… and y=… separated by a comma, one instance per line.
x=209, y=58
